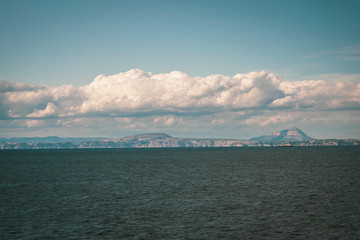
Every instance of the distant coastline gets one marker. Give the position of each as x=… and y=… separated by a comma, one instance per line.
x=161, y=140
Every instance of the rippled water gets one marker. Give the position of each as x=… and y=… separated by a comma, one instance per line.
x=209, y=193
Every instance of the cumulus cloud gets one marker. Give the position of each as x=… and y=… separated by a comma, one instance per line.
x=168, y=96
x=177, y=92
x=319, y=95
x=48, y=111
x=34, y=123
x=6, y=86
x=272, y=120
x=167, y=120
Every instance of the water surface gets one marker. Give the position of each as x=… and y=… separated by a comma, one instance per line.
x=181, y=193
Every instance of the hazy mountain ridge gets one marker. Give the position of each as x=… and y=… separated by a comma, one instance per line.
x=293, y=134
x=162, y=140
x=49, y=139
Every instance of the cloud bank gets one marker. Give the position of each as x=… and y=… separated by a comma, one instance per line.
x=142, y=100
x=142, y=93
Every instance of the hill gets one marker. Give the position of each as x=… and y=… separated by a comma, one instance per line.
x=293, y=134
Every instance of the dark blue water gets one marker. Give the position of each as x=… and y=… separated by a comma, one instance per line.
x=209, y=193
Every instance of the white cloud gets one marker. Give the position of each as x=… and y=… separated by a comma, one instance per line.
x=319, y=95
x=48, y=111
x=167, y=120
x=34, y=123
x=138, y=92
x=351, y=53
x=142, y=101
x=336, y=77
x=271, y=120
x=177, y=92
x=6, y=86
x=217, y=121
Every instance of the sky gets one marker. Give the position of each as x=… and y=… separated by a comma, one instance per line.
x=222, y=69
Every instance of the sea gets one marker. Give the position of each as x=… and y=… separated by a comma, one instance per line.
x=181, y=193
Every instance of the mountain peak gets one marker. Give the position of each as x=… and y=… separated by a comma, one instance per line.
x=292, y=134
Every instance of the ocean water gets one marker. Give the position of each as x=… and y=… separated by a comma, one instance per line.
x=182, y=193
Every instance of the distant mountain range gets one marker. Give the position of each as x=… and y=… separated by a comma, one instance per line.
x=49, y=139
x=293, y=137
x=293, y=134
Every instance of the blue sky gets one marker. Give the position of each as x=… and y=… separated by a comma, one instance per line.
x=74, y=41
x=54, y=43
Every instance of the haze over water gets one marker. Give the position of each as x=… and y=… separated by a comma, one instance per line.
x=209, y=193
